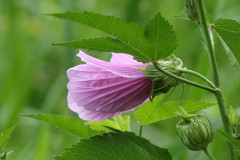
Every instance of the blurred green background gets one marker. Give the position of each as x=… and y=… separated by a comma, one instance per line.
x=33, y=72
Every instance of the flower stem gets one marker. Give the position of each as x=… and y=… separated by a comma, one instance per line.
x=212, y=90
x=199, y=76
x=225, y=119
x=210, y=156
x=209, y=44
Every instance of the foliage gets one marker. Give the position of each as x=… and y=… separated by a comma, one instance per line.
x=115, y=146
x=229, y=33
x=4, y=137
x=231, y=140
x=121, y=123
x=148, y=44
x=157, y=110
x=68, y=124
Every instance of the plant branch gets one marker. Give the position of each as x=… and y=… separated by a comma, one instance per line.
x=209, y=44
x=210, y=156
x=212, y=90
x=196, y=74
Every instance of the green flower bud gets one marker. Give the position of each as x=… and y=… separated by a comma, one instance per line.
x=195, y=132
x=192, y=10
x=160, y=82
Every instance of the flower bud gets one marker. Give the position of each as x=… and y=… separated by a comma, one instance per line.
x=162, y=83
x=195, y=132
x=192, y=10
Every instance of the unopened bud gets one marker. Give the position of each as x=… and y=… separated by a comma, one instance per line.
x=195, y=132
x=192, y=10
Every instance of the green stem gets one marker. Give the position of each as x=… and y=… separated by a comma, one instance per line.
x=225, y=119
x=206, y=35
x=210, y=47
x=212, y=90
x=210, y=156
x=199, y=76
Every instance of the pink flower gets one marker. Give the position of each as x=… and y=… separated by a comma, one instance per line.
x=100, y=89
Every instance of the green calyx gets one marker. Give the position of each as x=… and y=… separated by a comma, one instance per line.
x=195, y=132
x=192, y=10
x=162, y=83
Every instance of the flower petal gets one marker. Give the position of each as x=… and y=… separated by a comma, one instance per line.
x=124, y=59
x=126, y=70
x=89, y=115
x=105, y=94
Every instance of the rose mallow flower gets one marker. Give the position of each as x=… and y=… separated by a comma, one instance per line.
x=100, y=89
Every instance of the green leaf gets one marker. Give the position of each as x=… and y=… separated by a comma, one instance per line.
x=5, y=136
x=104, y=44
x=121, y=123
x=162, y=38
x=233, y=141
x=155, y=111
x=233, y=118
x=115, y=146
x=3, y=156
x=152, y=43
x=229, y=33
x=68, y=124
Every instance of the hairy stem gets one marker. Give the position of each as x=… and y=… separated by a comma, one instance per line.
x=209, y=44
x=210, y=156
x=212, y=90
x=196, y=74
x=225, y=119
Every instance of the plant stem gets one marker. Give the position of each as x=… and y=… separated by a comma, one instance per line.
x=210, y=156
x=199, y=76
x=210, y=47
x=206, y=35
x=225, y=119
x=212, y=90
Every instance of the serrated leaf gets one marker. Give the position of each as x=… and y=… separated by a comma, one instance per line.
x=233, y=141
x=68, y=124
x=104, y=44
x=115, y=146
x=5, y=136
x=229, y=33
x=155, y=111
x=121, y=123
x=146, y=45
x=162, y=38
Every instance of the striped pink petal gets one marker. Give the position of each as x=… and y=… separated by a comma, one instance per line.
x=100, y=89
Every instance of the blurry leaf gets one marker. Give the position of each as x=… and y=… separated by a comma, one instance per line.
x=233, y=141
x=232, y=116
x=68, y=124
x=115, y=146
x=3, y=156
x=120, y=123
x=155, y=111
x=5, y=136
x=229, y=33
x=183, y=15
x=152, y=43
